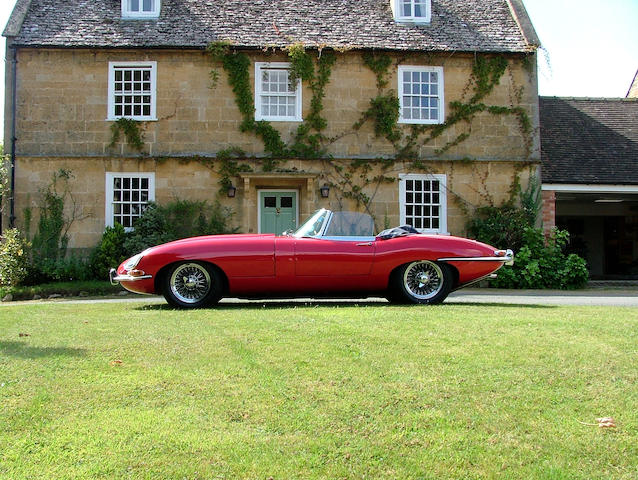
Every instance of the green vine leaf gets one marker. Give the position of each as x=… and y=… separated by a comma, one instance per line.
x=301, y=64
x=384, y=110
x=229, y=167
x=379, y=64
x=132, y=133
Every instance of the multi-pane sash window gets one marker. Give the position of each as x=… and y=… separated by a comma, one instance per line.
x=423, y=202
x=421, y=94
x=276, y=98
x=132, y=90
x=413, y=10
x=140, y=8
x=127, y=195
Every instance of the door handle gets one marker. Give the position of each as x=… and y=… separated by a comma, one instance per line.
x=364, y=244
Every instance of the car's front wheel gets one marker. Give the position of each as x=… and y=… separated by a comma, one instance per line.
x=422, y=281
x=192, y=285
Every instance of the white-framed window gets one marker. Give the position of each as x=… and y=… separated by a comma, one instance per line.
x=417, y=11
x=421, y=94
x=423, y=202
x=132, y=90
x=142, y=9
x=127, y=195
x=276, y=98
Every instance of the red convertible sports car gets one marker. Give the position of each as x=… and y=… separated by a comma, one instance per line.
x=332, y=254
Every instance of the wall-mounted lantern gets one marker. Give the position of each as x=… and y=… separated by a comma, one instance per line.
x=325, y=191
x=232, y=190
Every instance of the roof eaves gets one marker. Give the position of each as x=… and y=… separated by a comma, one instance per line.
x=251, y=47
x=519, y=12
x=17, y=18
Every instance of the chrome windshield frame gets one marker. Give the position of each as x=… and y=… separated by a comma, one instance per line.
x=327, y=214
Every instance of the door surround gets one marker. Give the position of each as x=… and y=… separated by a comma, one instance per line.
x=251, y=183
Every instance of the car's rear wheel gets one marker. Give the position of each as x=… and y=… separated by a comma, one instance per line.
x=192, y=285
x=422, y=281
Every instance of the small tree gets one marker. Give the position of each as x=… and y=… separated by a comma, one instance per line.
x=58, y=210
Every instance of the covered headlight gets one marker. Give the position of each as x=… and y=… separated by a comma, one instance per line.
x=132, y=262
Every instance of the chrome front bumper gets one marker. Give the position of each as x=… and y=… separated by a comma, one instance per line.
x=505, y=256
x=114, y=278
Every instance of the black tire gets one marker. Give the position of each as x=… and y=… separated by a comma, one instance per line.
x=421, y=282
x=192, y=285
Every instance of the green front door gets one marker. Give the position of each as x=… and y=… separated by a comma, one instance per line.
x=278, y=211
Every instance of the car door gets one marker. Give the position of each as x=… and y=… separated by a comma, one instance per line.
x=320, y=257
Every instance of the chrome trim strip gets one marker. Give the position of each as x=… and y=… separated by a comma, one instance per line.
x=473, y=259
x=507, y=259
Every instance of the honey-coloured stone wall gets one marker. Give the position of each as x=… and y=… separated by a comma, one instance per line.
x=62, y=106
x=469, y=185
x=62, y=124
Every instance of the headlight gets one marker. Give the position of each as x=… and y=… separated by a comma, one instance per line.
x=132, y=262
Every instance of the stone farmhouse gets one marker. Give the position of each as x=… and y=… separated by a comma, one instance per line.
x=417, y=111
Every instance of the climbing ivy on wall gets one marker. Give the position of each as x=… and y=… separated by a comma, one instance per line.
x=313, y=67
x=132, y=133
x=384, y=109
x=308, y=140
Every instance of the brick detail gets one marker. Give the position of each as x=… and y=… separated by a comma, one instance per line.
x=549, y=210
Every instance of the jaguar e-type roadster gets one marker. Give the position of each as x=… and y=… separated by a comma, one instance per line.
x=332, y=254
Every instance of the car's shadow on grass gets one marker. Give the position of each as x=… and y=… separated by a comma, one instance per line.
x=24, y=350
x=286, y=304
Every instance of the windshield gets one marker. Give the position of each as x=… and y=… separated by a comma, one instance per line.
x=350, y=224
x=312, y=226
x=335, y=225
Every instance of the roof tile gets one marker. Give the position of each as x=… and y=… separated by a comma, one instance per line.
x=589, y=140
x=457, y=25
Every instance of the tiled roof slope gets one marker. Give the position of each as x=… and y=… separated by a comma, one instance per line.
x=457, y=25
x=589, y=140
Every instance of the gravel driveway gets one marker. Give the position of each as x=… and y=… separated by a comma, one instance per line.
x=601, y=297
x=611, y=297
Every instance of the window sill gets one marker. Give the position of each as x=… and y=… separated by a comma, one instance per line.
x=412, y=21
x=420, y=122
x=279, y=119
x=131, y=16
x=137, y=119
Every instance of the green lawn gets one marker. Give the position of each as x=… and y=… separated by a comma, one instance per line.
x=321, y=391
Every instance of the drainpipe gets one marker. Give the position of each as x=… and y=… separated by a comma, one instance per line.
x=14, y=104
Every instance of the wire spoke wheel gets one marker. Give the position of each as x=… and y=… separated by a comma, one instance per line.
x=190, y=283
x=422, y=281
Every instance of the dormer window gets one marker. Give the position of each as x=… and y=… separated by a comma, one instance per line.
x=416, y=11
x=140, y=8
